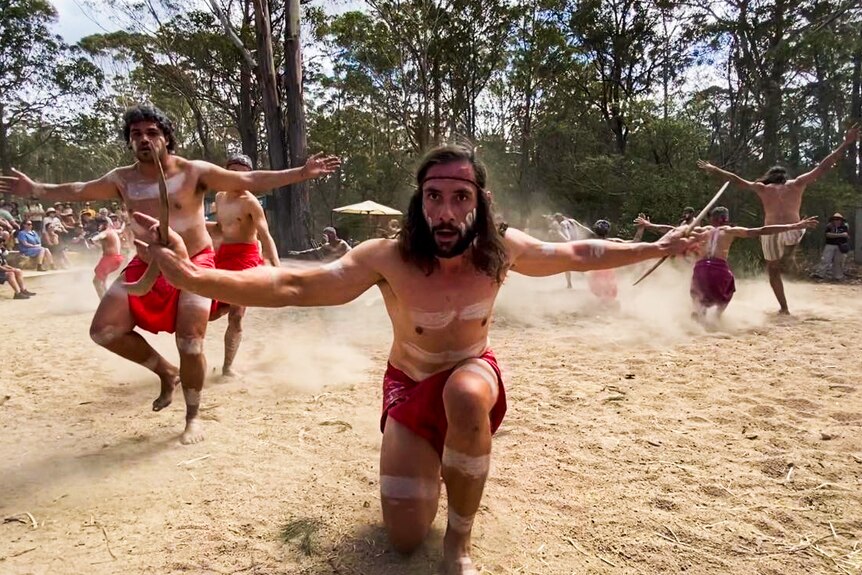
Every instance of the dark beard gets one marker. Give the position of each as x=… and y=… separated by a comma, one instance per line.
x=464, y=242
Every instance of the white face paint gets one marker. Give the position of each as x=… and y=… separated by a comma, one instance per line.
x=336, y=268
x=396, y=487
x=460, y=523
x=190, y=345
x=150, y=191
x=446, y=356
x=474, y=466
x=192, y=396
x=428, y=220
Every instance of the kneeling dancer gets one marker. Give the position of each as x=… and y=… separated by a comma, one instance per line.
x=443, y=396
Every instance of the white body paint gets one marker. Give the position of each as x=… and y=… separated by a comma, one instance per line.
x=190, y=345
x=474, y=466
x=193, y=300
x=446, y=356
x=192, y=396
x=151, y=362
x=483, y=370
x=336, y=268
x=442, y=319
x=597, y=248
x=106, y=335
x=548, y=249
x=397, y=487
x=460, y=523
x=150, y=191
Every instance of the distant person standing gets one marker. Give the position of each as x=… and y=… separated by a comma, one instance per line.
x=836, y=249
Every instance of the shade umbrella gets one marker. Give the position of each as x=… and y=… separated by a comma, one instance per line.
x=371, y=209
x=368, y=208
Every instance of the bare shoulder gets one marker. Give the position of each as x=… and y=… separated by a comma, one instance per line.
x=122, y=173
x=517, y=241
x=377, y=251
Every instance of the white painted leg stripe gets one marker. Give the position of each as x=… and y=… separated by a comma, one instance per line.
x=192, y=396
x=470, y=465
x=460, y=523
x=483, y=370
x=397, y=487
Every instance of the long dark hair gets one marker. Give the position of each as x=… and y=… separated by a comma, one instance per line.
x=415, y=240
x=774, y=175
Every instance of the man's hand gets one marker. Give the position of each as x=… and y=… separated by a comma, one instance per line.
x=173, y=259
x=19, y=184
x=807, y=223
x=851, y=135
x=320, y=165
x=705, y=166
x=677, y=242
x=642, y=221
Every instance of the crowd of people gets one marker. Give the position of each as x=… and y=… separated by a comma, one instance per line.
x=43, y=237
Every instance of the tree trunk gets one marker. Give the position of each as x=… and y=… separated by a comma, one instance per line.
x=5, y=162
x=247, y=114
x=854, y=158
x=247, y=118
x=773, y=88
x=272, y=117
x=293, y=205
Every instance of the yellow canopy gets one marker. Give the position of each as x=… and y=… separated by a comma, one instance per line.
x=368, y=208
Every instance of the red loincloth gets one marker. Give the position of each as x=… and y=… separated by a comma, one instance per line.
x=236, y=257
x=419, y=406
x=712, y=282
x=603, y=284
x=156, y=311
x=108, y=265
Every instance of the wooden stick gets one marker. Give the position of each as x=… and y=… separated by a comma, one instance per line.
x=688, y=228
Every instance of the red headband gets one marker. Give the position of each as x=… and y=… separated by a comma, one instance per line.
x=469, y=181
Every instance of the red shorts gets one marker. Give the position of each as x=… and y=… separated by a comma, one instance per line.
x=108, y=265
x=603, y=284
x=419, y=406
x=156, y=311
x=237, y=257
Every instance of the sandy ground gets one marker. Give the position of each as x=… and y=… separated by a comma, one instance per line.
x=636, y=441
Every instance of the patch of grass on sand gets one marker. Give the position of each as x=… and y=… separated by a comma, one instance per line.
x=302, y=530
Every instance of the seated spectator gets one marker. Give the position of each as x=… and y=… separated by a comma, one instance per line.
x=52, y=219
x=88, y=222
x=16, y=213
x=30, y=245
x=34, y=213
x=51, y=240
x=6, y=213
x=12, y=275
x=332, y=248
x=836, y=249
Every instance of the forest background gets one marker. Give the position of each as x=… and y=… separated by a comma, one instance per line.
x=594, y=108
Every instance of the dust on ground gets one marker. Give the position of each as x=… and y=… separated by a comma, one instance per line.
x=636, y=441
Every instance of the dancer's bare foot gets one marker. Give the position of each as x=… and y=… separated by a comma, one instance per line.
x=169, y=383
x=228, y=371
x=193, y=433
x=456, y=554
